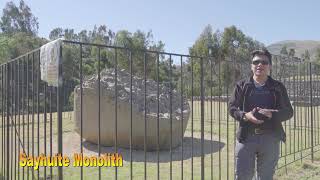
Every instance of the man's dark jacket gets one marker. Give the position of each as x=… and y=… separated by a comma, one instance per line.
x=238, y=106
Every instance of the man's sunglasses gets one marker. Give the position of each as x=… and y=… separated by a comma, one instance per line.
x=260, y=61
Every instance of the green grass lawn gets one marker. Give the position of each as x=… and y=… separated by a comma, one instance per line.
x=219, y=131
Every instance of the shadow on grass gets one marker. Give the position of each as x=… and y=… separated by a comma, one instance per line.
x=164, y=155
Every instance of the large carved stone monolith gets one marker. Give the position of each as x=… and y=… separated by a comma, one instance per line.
x=115, y=113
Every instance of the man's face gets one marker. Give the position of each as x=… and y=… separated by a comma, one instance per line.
x=260, y=65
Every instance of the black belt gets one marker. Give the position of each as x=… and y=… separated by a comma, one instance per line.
x=259, y=131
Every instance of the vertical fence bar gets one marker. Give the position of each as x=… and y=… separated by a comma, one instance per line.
x=18, y=101
x=10, y=98
x=192, y=109
x=145, y=115
x=23, y=109
x=181, y=72
x=308, y=109
x=12, y=125
x=99, y=109
x=305, y=110
x=234, y=129
x=32, y=117
x=311, y=111
x=158, y=118
x=131, y=104
x=4, y=93
x=211, y=119
x=13, y=122
x=219, y=116
x=81, y=113
x=227, y=93
x=170, y=79
x=297, y=111
x=285, y=145
x=38, y=108
x=50, y=128
x=294, y=114
x=5, y=120
x=2, y=124
x=301, y=130
x=28, y=111
x=318, y=104
x=7, y=124
x=16, y=125
x=315, y=107
x=202, y=118
x=59, y=112
x=116, y=108
x=45, y=126
x=280, y=74
x=8, y=119
x=289, y=94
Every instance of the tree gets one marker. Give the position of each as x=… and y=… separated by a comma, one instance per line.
x=237, y=47
x=231, y=44
x=4, y=48
x=56, y=33
x=306, y=55
x=207, y=45
x=317, y=61
x=317, y=57
x=18, y=19
x=19, y=28
x=137, y=43
x=18, y=44
x=284, y=50
x=292, y=52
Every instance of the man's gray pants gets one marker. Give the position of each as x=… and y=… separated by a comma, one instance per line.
x=265, y=149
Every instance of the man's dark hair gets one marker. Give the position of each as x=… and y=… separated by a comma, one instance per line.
x=262, y=52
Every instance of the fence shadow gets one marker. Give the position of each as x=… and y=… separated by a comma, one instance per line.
x=164, y=155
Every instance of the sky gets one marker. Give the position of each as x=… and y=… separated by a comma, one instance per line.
x=178, y=23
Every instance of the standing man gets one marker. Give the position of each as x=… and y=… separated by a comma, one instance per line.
x=260, y=104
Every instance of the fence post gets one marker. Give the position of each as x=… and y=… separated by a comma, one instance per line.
x=59, y=111
x=8, y=120
x=311, y=109
x=202, y=119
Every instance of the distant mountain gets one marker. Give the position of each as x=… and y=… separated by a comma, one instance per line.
x=298, y=45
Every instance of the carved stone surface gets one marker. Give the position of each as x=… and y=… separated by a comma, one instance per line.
x=116, y=112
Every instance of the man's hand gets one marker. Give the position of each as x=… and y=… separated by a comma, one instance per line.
x=251, y=118
x=266, y=112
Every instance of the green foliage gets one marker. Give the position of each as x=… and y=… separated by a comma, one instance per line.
x=19, y=28
x=137, y=43
x=306, y=55
x=317, y=61
x=284, y=50
x=231, y=45
x=17, y=44
x=292, y=52
x=69, y=105
x=18, y=19
x=4, y=48
x=317, y=58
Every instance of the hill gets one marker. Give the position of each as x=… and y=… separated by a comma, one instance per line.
x=299, y=45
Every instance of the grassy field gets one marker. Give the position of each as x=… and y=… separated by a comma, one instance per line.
x=219, y=131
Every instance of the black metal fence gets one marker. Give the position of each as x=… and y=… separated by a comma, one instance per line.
x=167, y=113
